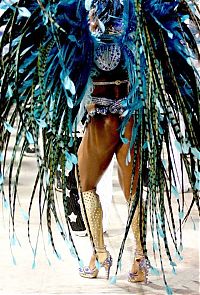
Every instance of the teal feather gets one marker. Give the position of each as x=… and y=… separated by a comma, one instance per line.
x=14, y=260
x=169, y=290
x=43, y=84
x=113, y=280
x=154, y=271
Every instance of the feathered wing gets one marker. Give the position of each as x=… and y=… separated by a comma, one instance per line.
x=45, y=64
x=161, y=55
x=44, y=76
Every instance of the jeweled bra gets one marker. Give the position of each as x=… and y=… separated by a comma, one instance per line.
x=107, y=56
x=107, y=53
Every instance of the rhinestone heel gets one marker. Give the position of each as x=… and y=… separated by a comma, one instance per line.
x=107, y=265
x=140, y=272
x=87, y=272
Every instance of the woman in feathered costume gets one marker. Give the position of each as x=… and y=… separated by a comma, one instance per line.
x=130, y=65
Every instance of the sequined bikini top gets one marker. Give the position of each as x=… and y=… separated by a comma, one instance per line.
x=107, y=56
x=107, y=53
x=106, y=25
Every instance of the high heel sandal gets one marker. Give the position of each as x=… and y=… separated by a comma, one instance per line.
x=89, y=273
x=140, y=273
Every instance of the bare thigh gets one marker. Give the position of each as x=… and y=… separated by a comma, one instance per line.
x=125, y=170
x=99, y=143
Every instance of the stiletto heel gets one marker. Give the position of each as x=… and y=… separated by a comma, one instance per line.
x=141, y=268
x=87, y=272
x=107, y=265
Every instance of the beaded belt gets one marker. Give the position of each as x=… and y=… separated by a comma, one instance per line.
x=116, y=82
x=104, y=106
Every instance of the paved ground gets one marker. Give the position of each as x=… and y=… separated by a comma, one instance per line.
x=61, y=277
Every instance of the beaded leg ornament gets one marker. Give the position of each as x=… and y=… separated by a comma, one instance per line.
x=139, y=272
x=93, y=216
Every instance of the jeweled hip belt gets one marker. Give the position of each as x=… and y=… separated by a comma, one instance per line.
x=116, y=82
x=111, y=89
x=104, y=106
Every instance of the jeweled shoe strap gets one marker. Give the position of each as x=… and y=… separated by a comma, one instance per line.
x=101, y=250
x=139, y=254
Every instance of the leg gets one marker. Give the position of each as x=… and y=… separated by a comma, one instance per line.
x=94, y=155
x=125, y=171
x=96, y=149
x=105, y=191
x=138, y=272
x=125, y=178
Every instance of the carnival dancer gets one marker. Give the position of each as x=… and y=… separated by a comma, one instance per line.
x=131, y=66
x=110, y=86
